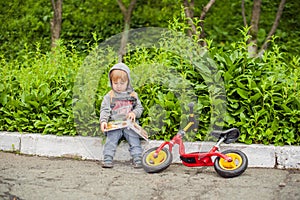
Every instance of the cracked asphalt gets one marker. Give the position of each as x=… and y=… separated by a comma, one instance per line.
x=31, y=177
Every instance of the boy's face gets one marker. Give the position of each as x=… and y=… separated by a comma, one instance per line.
x=119, y=85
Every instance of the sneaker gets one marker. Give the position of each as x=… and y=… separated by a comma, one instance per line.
x=137, y=163
x=107, y=164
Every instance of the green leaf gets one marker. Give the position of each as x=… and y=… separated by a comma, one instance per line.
x=228, y=76
x=240, y=85
x=1, y=87
x=34, y=103
x=242, y=93
x=285, y=108
x=255, y=97
x=63, y=110
x=3, y=98
x=252, y=83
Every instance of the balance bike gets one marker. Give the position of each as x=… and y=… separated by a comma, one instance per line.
x=228, y=164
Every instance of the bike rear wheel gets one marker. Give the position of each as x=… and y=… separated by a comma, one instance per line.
x=157, y=164
x=234, y=168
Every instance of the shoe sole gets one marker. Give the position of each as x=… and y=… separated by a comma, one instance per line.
x=107, y=165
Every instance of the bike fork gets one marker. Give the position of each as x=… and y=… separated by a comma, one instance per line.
x=217, y=147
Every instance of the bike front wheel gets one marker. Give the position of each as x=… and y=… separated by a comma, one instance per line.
x=234, y=168
x=162, y=161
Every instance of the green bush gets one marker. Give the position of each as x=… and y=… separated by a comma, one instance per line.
x=60, y=92
x=36, y=92
x=263, y=95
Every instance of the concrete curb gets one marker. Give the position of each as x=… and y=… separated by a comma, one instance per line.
x=265, y=156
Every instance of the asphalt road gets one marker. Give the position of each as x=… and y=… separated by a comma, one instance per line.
x=35, y=178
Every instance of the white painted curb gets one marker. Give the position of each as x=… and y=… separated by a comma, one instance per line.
x=266, y=156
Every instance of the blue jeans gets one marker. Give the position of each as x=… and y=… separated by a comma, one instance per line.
x=112, y=139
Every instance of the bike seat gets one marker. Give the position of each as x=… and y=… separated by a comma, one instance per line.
x=230, y=135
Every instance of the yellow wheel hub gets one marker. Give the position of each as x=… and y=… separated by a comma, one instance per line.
x=234, y=164
x=161, y=157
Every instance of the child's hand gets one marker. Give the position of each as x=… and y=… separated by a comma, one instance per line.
x=103, y=126
x=131, y=116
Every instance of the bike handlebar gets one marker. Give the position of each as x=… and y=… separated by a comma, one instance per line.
x=192, y=122
x=191, y=106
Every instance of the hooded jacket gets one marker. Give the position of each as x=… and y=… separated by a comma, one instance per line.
x=115, y=105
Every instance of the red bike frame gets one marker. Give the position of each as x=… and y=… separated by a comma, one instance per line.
x=194, y=159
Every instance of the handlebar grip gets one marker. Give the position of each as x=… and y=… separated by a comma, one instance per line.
x=191, y=106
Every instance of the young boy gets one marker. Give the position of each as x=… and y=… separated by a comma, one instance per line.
x=120, y=104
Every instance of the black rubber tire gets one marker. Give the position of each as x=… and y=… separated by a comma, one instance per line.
x=230, y=173
x=165, y=159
